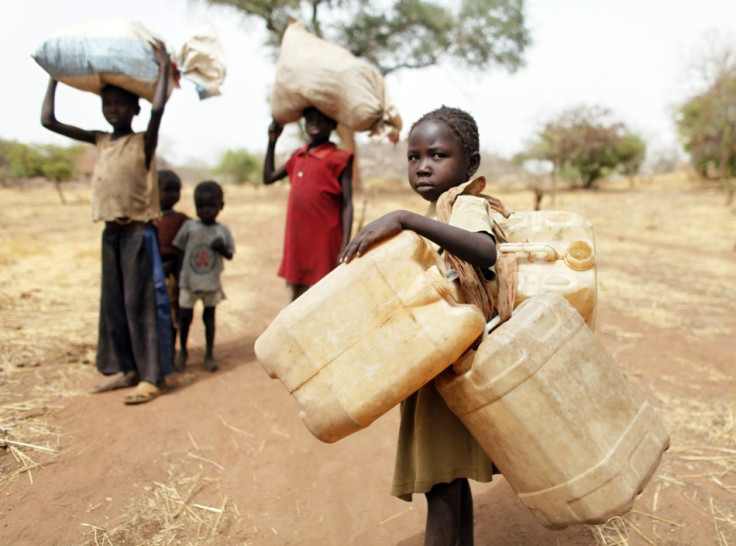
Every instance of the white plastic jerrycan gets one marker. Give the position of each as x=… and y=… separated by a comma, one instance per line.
x=555, y=251
x=573, y=437
x=368, y=335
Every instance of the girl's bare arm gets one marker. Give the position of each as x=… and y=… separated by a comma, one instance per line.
x=270, y=173
x=476, y=248
x=48, y=118
x=159, y=101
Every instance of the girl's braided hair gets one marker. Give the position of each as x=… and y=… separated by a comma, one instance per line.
x=460, y=122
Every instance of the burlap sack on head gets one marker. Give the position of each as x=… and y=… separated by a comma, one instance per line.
x=119, y=51
x=313, y=72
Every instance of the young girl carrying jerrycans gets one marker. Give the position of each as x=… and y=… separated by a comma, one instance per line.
x=134, y=343
x=436, y=454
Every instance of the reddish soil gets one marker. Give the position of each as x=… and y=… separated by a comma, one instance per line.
x=223, y=458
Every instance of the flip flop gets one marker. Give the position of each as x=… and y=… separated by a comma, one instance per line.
x=124, y=381
x=144, y=392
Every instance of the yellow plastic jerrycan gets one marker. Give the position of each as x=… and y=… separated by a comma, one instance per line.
x=573, y=437
x=555, y=251
x=368, y=335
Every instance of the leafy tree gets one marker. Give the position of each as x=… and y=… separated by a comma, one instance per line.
x=707, y=127
x=60, y=164
x=241, y=166
x=406, y=33
x=706, y=122
x=631, y=153
x=588, y=142
x=25, y=160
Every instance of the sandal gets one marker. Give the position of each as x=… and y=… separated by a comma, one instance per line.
x=144, y=392
x=124, y=381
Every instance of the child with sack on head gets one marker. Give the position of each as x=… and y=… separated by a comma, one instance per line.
x=436, y=454
x=134, y=343
x=319, y=214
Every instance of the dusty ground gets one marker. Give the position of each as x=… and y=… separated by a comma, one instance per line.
x=224, y=459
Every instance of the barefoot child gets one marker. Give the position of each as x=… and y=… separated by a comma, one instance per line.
x=204, y=243
x=135, y=323
x=169, y=190
x=319, y=217
x=436, y=454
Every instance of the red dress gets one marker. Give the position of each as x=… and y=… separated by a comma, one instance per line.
x=313, y=237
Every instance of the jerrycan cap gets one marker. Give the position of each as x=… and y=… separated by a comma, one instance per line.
x=580, y=256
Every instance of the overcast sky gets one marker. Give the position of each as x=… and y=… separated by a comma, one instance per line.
x=632, y=56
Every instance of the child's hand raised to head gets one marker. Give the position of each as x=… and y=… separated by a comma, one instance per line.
x=378, y=230
x=274, y=130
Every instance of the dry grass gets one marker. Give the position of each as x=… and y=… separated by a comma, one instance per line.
x=182, y=510
x=47, y=324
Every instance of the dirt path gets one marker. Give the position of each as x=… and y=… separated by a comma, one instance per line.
x=224, y=459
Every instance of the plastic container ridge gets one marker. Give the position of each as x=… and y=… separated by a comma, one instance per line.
x=555, y=251
x=573, y=437
x=368, y=335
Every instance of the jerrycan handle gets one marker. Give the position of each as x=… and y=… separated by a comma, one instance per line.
x=490, y=326
x=465, y=362
x=550, y=254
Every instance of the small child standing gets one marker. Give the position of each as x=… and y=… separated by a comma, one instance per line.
x=204, y=243
x=319, y=214
x=436, y=454
x=169, y=191
x=135, y=321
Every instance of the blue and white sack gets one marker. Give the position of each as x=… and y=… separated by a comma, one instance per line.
x=120, y=51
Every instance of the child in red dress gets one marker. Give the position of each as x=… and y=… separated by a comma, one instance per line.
x=319, y=216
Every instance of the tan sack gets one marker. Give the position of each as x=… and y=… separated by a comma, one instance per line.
x=120, y=51
x=313, y=72
x=202, y=62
